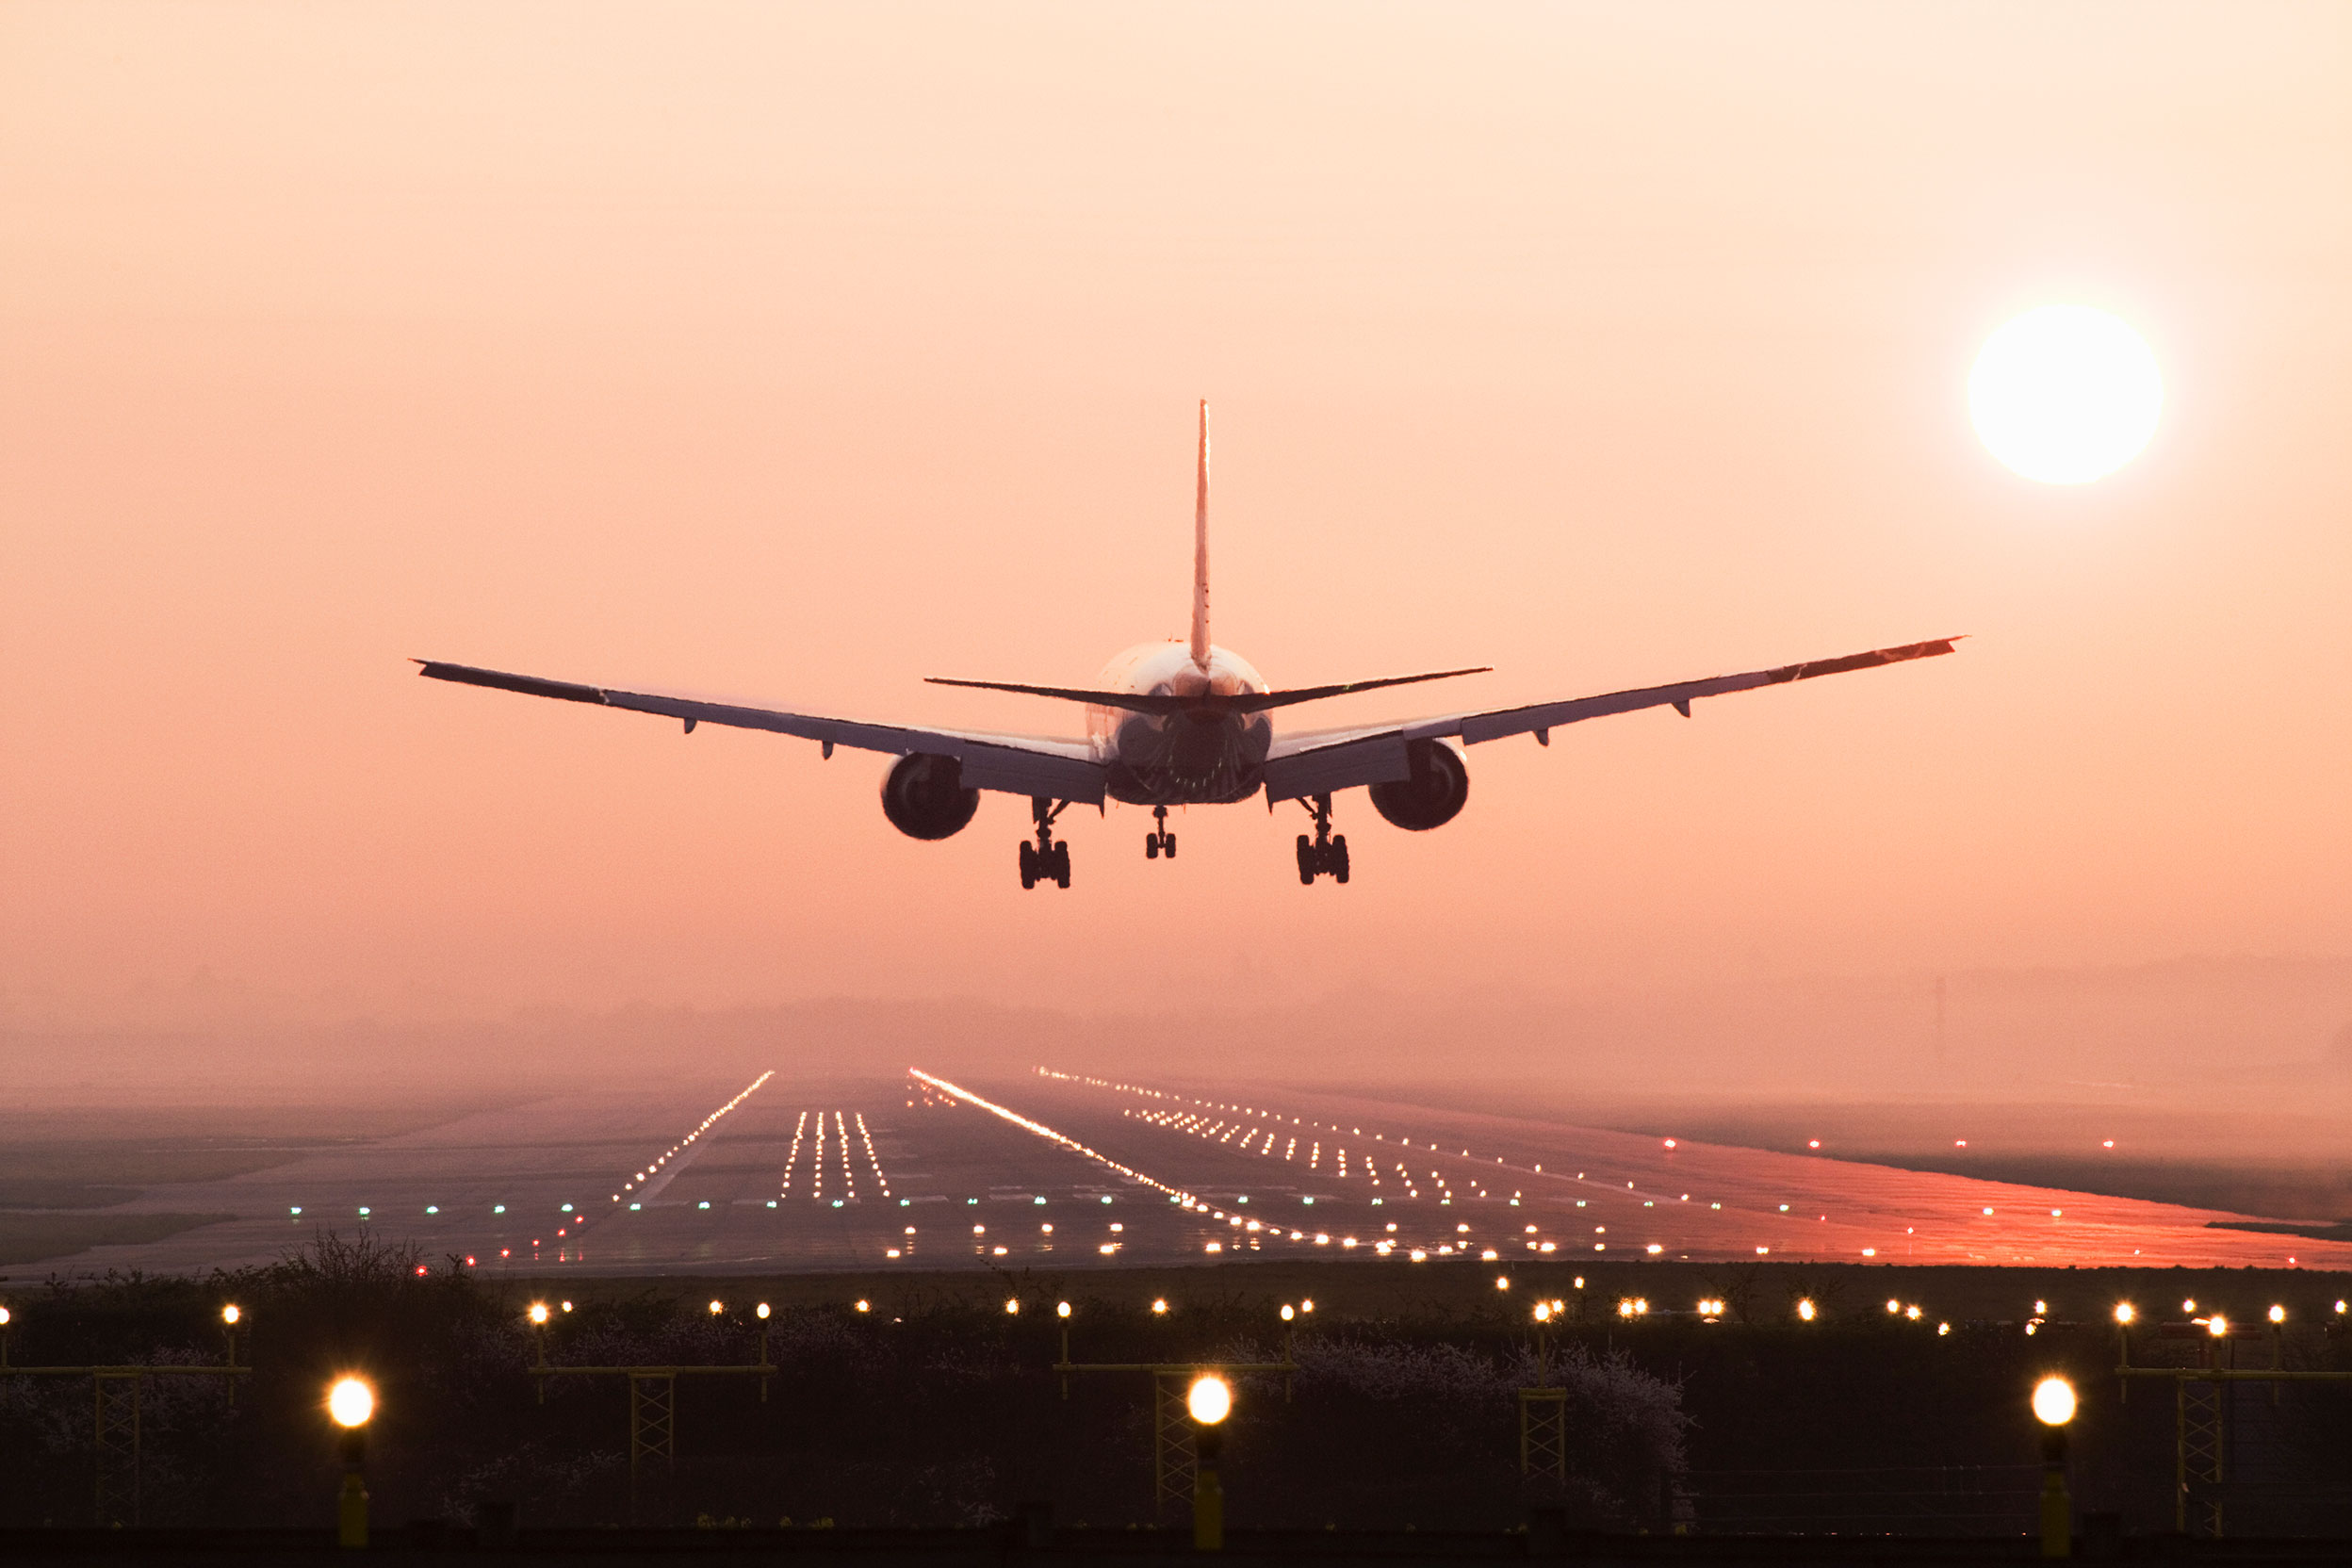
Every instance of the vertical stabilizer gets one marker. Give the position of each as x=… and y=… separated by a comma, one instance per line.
x=1200, y=551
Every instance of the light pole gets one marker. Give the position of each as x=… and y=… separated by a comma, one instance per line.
x=2054, y=1407
x=1209, y=1400
x=230, y=1317
x=351, y=1402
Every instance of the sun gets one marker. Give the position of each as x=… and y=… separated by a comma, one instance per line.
x=2065, y=394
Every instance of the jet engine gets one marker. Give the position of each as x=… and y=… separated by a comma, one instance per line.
x=924, y=797
x=1433, y=795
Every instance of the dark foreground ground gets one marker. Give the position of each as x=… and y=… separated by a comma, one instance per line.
x=935, y=1407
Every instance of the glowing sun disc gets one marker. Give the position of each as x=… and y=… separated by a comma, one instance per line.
x=2065, y=394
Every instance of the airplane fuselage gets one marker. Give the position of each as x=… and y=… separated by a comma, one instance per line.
x=1198, y=757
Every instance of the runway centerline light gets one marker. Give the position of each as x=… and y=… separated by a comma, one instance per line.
x=2053, y=1401
x=1210, y=1400
x=351, y=1402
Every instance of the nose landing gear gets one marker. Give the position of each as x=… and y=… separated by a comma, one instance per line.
x=1159, y=841
x=1048, y=859
x=1327, y=852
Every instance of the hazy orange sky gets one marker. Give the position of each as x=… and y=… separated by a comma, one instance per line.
x=796, y=352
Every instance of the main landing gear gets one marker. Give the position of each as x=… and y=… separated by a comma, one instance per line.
x=1327, y=851
x=1159, y=841
x=1048, y=859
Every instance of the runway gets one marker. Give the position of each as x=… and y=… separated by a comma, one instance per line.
x=785, y=1174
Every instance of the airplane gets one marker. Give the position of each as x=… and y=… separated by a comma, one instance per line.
x=1182, y=724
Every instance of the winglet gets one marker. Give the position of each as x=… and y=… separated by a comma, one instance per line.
x=1200, y=551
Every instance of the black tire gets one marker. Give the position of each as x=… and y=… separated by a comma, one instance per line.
x=1168, y=845
x=1339, y=858
x=1061, y=864
x=1028, y=865
x=1306, y=862
x=1150, y=846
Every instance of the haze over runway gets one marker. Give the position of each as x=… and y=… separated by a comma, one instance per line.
x=790, y=1174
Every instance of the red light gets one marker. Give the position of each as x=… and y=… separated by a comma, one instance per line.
x=1814, y=1144
x=470, y=1260
x=506, y=1251
x=420, y=1271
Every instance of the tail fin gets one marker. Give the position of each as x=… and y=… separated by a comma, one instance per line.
x=1200, y=551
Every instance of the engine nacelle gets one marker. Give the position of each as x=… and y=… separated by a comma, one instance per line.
x=924, y=797
x=1434, y=795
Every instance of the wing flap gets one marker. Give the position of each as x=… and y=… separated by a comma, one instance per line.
x=1379, y=758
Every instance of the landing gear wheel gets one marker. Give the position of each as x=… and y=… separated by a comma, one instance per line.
x=1168, y=845
x=1324, y=852
x=1150, y=846
x=1159, y=841
x=1045, y=860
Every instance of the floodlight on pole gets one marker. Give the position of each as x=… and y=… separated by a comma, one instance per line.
x=1208, y=1401
x=2054, y=1407
x=351, y=1404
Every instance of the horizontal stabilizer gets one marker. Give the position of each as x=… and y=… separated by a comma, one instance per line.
x=1238, y=702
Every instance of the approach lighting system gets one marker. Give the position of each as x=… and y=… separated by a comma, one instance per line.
x=1807, y=1311
x=1159, y=1308
x=351, y=1402
x=539, y=1313
x=1210, y=1400
x=760, y=1311
x=229, y=1314
x=2124, y=1313
x=1012, y=1306
x=2053, y=1401
x=1289, y=1311
x=2278, y=1313
x=1061, y=1309
x=1543, y=1312
x=2218, y=1326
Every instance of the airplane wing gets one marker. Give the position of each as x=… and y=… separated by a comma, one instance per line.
x=1321, y=761
x=1016, y=764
